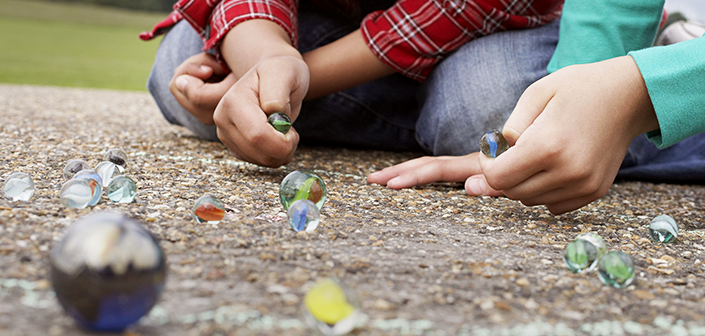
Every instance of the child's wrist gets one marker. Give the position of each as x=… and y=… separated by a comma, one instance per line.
x=252, y=41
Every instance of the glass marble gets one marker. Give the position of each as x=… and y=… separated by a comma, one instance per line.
x=595, y=240
x=663, y=229
x=74, y=166
x=107, y=170
x=302, y=185
x=122, y=189
x=303, y=215
x=208, y=209
x=332, y=307
x=18, y=187
x=280, y=121
x=580, y=256
x=107, y=271
x=616, y=269
x=493, y=143
x=75, y=194
x=117, y=157
x=94, y=181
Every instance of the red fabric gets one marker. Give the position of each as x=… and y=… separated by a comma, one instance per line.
x=411, y=36
x=162, y=26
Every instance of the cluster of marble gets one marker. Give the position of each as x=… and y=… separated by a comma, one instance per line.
x=589, y=251
x=303, y=194
x=84, y=186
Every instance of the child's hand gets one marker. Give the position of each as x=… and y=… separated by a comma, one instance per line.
x=429, y=169
x=198, y=85
x=274, y=84
x=572, y=130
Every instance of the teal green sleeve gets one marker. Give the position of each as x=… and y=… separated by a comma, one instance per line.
x=675, y=78
x=596, y=30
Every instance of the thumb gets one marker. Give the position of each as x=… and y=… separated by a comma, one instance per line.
x=477, y=185
x=186, y=84
x=530, y=105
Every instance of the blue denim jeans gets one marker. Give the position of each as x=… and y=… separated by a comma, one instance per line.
x=683, y=162
x=468, y=93
x=471, y=91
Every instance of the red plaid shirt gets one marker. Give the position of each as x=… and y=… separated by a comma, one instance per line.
x=411, y=36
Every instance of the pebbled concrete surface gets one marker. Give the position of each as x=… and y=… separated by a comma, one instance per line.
x=425, y=261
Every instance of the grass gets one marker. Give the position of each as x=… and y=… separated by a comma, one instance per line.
x=73, y=45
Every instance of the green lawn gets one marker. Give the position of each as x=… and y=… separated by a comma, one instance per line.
x=74, y=45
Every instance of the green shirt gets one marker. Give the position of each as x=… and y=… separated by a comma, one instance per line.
x=597, y=30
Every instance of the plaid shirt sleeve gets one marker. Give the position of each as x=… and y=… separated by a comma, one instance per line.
x=413, y=35
x=212, y=19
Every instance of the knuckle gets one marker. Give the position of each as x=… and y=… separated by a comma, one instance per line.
x=195, y=98
x=495, y=181
x=511, y=194
x=581, y=173
x=255, y=137
x=221, y=120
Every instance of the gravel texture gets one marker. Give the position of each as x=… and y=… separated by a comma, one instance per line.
x=425, y=261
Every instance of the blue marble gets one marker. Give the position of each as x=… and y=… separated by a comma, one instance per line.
x=303, y=215
x=493, y=143
x=107, y=271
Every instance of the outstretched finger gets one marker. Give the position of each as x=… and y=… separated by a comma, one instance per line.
x=427, y=169
x=383, y=176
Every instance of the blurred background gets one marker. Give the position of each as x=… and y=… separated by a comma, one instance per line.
x=78, y=43
x=692, y=10
x=94, y=43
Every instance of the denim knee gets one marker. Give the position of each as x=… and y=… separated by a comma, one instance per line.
x=476, y=88
x=180, y=43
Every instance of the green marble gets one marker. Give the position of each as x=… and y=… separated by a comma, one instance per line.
x=616, y=269
x=280, y=121
x=595, y=240
x=580, y=256
x=663, y=229
x=302, y=185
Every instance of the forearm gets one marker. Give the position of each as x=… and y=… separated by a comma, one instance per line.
x=675, y=78
x=254, y=40
x=343, y=64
